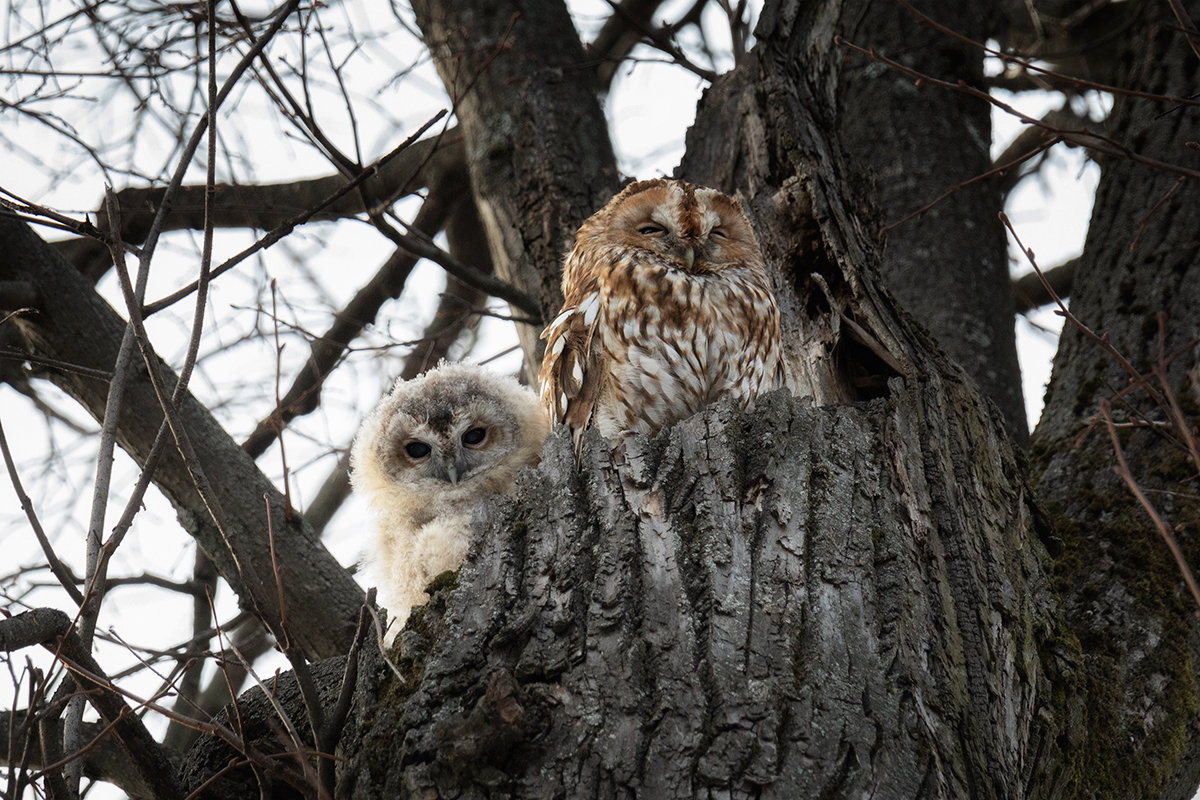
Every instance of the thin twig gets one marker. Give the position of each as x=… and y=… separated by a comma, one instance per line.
x=996, y=171
x=95, y=570
x=417, y=243
x=327, y=739
x=1177, y=418
x=1146, y=219
x=661, y=40
x=293, y=734
x=1028, y=65
x=55, y=363
x=1086, y=139
x=1134, y=375
x=194, y=141
x=286, y=228
x=300, y=670
x=277, y=420
x=1185, y=22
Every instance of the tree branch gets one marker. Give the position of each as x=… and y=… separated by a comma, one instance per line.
x=266, y=206
x=52, y=629
x=304, y=395
x=1029, y=292
x=468, y=241
x=76, y=325
x=1034, y=137
x=619, y=36
x=105, y=760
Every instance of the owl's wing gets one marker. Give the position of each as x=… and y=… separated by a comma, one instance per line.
x=573, y=367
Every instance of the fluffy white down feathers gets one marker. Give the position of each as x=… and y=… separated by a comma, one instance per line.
x=431, y=449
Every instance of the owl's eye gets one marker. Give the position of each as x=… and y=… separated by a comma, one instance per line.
x=720, y=234
x=651, y=230
x=474, y=436
x=417, y=450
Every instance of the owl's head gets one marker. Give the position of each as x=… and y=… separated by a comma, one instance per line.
x=694, y=228
x=456, y=432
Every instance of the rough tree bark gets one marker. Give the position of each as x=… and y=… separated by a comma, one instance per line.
x=1125, y=599
x=948, y=268
x=828, y=600
x=850, y=594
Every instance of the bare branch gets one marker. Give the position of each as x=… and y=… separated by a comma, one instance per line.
x=52, y=629
x=59, y=569
x=467, y=240
x=1031, y=141
x=1164, y=530
x=104, y=758
x=304, y=395
x=659, y=39
x=77, y=326
x=619, y=36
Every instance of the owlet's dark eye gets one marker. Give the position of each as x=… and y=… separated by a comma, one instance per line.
x=417, y=450
x=474, y=436
x=719, y=233
x=650, y=230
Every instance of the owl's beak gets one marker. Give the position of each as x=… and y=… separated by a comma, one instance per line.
x=452, y=473
x=689, y=255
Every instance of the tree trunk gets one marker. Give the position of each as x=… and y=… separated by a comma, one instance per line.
x=537, y=141
x=806, y=602
x=948, y=267
x=850, y=593
x=829, y=599
x=1125, y=597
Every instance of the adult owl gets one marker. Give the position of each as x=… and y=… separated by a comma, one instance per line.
x=431, y=449
x=668, y=306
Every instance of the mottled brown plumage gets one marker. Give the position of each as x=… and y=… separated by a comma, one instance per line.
x=667, y=307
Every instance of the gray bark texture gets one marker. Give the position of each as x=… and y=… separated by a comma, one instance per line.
x=949, y=267
x=764, y=606
x=845, y=594
x=1124, y=595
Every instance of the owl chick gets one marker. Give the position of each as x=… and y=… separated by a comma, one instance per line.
x=668, y=306
x=431, y=449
